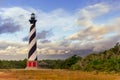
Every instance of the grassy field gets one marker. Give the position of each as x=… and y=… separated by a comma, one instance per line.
x=54, y=75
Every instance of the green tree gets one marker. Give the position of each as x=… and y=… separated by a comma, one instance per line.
x=70, y=61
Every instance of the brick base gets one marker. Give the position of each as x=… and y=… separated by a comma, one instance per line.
x=32, y=64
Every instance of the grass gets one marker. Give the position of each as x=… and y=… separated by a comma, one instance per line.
x=54, y=75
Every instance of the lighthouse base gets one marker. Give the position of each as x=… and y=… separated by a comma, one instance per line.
x=32, y=65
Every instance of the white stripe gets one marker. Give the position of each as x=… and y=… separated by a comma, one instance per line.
x=33, y=56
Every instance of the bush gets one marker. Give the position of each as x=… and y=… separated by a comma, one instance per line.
x=75, y=67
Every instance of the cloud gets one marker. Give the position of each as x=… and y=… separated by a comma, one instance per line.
x=9, y=27
x=58, y=18
x=25, y=38
x=97, y=32
x=44, y=34
x=13, y=57
x=90, y=33
x=86, y=15
x=94, y=32
x=45, y=41
x=63, y=56
x=106, y=43
x=18, y=15
x=12, y=48
x=58, y=48
x=41, y=35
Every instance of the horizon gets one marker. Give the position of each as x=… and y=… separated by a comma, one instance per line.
x=64, y=27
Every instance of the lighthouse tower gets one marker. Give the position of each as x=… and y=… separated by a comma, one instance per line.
x=32, y=55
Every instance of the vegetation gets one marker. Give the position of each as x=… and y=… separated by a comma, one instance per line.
x=5, y=64
x=108, y=60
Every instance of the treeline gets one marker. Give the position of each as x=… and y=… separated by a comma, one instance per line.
x=108, y=60
x=63, y=64
x=5, y=64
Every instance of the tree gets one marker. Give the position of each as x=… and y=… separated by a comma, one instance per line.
x=70, y=61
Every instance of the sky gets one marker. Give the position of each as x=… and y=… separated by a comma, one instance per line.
x=64, y=27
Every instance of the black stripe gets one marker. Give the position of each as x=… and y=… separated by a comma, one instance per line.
x=32, y=37
x=32, y=50
x=33, y=25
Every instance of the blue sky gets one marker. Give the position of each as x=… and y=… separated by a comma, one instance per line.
x=64, y=27
x=48, y=5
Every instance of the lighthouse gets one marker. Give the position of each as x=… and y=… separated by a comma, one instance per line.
x=32, y=54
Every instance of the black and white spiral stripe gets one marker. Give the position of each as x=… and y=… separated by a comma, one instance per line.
x=32, y=56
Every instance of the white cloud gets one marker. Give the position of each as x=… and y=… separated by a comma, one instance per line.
x=12, y=48
x=86, y=15
x=90, y=33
